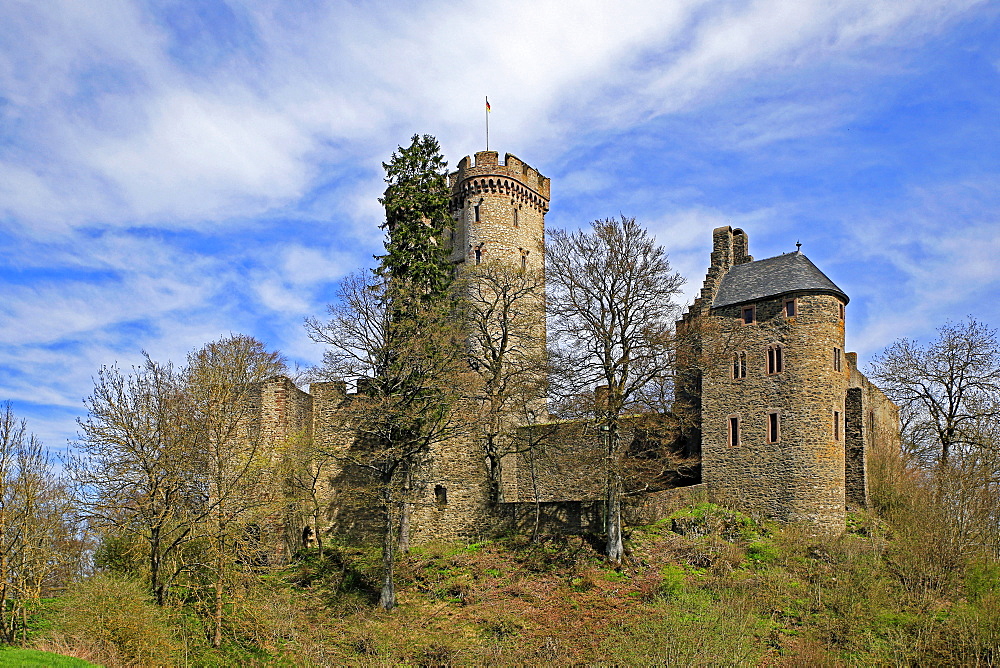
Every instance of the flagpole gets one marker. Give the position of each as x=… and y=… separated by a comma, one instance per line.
x=487, y=122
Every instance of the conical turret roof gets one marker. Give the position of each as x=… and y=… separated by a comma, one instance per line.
x=771, y=277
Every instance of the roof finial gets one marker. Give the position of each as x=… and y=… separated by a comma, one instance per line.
x=798, y=246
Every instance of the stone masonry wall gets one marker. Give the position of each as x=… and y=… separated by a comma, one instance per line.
x=799, y=478
x=568, y=463
x=872, y=426
x=286, y=410
x=451, y=493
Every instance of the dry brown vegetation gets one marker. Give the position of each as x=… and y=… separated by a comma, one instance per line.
x=726, y=591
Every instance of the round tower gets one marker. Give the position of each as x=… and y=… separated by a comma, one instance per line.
x=772, y=402
x=499, y=211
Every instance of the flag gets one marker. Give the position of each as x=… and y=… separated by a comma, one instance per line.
x=487, y=104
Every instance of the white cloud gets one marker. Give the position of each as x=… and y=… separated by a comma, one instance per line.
x=930, y=261
x=182, y=148
x=104, y=128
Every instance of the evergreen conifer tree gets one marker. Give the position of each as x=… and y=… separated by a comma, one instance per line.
x=416, y=216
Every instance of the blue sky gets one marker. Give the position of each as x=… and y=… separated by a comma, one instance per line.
x=172, y=172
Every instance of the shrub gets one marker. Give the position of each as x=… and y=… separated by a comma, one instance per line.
x=112, y=621
x=708, y=518
x=762, y=552
x=672, y=582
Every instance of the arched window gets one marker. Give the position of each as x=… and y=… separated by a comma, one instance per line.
x=775, y=358
x=739, y=365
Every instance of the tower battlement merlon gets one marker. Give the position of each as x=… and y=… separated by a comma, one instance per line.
x=487, y=173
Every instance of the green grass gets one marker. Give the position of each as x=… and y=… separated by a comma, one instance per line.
x=31, y=658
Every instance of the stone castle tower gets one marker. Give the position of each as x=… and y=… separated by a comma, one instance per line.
x=786, y=419
x=499, y=211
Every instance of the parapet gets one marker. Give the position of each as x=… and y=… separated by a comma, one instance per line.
x=487, y=173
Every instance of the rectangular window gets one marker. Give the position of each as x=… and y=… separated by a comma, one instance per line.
x=789, y=308
x=515, y=216
x=477, y=212
x=748, y=315
x=734, y=431
x=479, y=256
x=836, y=359
x=836, y=425
x=841, y=311
x=773, y=427
x=524, y=261
x=775, y=363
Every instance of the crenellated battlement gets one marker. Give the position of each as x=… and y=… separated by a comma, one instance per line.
x=487, y=175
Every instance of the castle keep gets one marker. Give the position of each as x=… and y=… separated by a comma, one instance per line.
x=782, y=419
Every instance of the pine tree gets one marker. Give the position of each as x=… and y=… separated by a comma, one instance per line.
x=397, y=330
x=416, y=217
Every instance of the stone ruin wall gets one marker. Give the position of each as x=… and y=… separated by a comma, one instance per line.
x=285, y=414
x=568, y=464
x=872, y=428
x=448, y=491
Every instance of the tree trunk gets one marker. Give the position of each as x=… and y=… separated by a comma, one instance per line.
x=316, y=531
x=405, y=507
x=217, y=612
x=6, y=630
x=387, y=599
x=613, y=510
x=154, y=566
x=496, y=480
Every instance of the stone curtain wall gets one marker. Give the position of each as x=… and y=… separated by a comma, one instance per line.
x=801, y=477
x=872, y=426
x=568, y=463
x=554, y=517
x=456, y=468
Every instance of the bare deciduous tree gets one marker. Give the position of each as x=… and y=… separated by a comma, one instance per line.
x=222, y=381
x=410, y=364
x=611, y=304
x=35, y=525
x=504, y=319
x=949, y=397
x=945, y=389
x=136, y=471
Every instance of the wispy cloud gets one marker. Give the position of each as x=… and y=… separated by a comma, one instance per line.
x=174, y=172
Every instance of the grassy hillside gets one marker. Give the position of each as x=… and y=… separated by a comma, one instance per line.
x=726, y=591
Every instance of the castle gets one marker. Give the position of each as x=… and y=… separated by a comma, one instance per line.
x=781, y=418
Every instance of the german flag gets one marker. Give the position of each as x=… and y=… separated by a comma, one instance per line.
x=487, y=104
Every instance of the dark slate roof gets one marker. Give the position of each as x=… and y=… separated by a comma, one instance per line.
x=791, y=272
